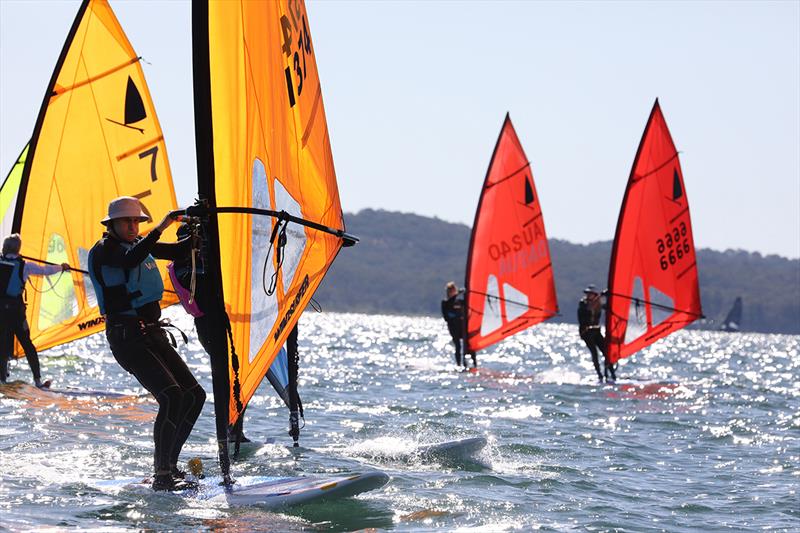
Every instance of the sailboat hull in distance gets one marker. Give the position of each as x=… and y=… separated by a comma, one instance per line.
x=733, y=322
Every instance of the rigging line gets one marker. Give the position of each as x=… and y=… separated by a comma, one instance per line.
x=52, y=285
x=118, y=123
x=279, y=232
x=492, y=296
x=501, y=180
x=653, y=304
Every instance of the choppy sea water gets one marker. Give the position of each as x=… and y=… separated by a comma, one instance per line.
x=703, y=434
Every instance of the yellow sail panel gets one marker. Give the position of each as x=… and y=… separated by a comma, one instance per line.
x=97, y=137
x=271, y=151
x=8, y=194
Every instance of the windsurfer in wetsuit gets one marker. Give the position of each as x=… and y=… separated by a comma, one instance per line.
x=453, y=314
x=589, y=310
x=14, y=273
x=128, y=286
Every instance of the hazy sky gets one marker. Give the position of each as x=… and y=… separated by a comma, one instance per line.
x=416, y=92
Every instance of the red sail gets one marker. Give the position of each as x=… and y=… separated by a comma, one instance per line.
x=652, y=282
x=509, y=281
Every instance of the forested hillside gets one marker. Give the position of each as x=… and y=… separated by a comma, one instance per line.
x=403, y=262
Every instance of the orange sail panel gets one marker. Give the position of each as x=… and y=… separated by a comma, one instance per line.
x=652, y=283
x=509, y=282
x=262, y=143
x=96, y=137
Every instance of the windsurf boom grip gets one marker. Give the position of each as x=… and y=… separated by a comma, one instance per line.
x=199, y=211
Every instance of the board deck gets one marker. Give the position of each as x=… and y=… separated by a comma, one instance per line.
x=24, y=386
x=268, y=491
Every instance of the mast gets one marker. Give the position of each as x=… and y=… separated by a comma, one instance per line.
x=204, y=146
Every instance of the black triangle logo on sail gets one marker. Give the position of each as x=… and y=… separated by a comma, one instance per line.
x=134, y=106
x=677, y=190
x=528, y=191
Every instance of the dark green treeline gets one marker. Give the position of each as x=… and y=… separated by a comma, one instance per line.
x=403, y=262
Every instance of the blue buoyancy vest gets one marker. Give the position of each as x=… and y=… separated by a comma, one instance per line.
x=123, y=291
x=12, y=280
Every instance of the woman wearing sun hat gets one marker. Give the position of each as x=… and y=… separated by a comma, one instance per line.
x=129, y=287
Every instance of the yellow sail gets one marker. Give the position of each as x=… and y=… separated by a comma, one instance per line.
x=266, y=147
x=8, y=194
x=97, y=137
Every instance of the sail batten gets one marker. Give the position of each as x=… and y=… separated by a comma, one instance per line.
x=653, y=285
x=509, y=280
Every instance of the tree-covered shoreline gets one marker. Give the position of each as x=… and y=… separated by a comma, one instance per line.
x=403, y=262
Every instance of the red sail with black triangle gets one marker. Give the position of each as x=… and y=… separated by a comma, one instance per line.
x=509, y=281
x=653, y=287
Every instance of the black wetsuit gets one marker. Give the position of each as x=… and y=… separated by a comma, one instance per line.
x=13, y=323
x=140, y=345
x=589, y=328
x=453, y=314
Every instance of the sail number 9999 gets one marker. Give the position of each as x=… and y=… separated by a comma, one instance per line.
x=673, y=247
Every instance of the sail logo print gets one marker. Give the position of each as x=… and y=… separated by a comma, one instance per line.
x=523, y=259
x=292, y=308
x=528, y=236
x=297, y=70
x=529, y=196
x=91, y=323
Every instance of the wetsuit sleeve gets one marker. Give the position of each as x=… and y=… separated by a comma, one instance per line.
x=174, y=251
x=119, y=256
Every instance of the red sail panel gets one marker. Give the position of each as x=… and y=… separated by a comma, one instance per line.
x=509, y=283
x=652, y=282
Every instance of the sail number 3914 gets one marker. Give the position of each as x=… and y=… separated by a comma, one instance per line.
x=673, y=247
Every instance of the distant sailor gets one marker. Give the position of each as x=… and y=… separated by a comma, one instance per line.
x=589, y=309
x=129, y=288
x=14, y=273
x=453, y=314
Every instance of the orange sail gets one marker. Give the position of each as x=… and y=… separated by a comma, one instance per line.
x=653, y=288
x=265, y=170
x=96, y=137
x=509, y=282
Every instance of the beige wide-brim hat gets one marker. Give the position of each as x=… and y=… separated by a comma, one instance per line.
x=125, y=207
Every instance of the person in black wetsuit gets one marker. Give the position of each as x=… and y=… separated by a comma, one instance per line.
x=128, y=286
x=14, y=273
x=589, y=310
x=453, y=314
